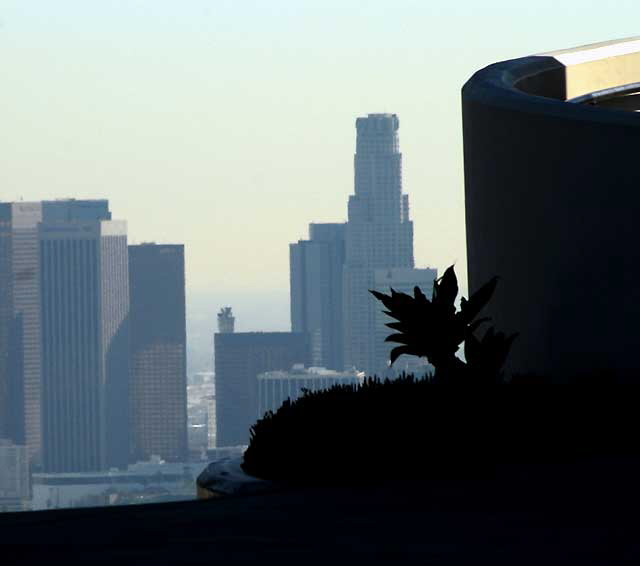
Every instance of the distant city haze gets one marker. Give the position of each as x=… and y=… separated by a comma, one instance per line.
x=229, y=126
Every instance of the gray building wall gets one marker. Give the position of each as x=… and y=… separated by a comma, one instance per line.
x=275, y=387
x=158, y=352
x=24, y=334
x=239, y=358
x=116, y=340
x=14, y=472
x=6, y=316
x=85, y=343
x=316, y=292
x=379, y=233
x=15, y=488
x=551, y=194
x=20, y=312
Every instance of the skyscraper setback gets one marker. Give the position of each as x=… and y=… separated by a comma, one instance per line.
x=316, y=292
x=158, y=352
x=333, y=271
x=379, y=235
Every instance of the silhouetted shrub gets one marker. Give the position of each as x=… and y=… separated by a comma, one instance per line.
x=529, y=379
x=412, y=428
x=415, y=429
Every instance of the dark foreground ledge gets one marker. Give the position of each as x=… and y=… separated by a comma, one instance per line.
x=579, y=513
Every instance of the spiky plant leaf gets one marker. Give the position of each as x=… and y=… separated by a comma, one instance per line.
x=469, y=309
x=399, y=338
x=433, y=329
x=476, y=323
x=447, y=289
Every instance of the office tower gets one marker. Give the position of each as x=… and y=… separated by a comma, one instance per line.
x=6, y=316
x=239, y=358
x=316, y=292
x=275, y=387
x=84, y=298
x=403, y=280
x=379, y=234
x=20, y=313
x=20, y=324
x=158, y=352
x=226, y=321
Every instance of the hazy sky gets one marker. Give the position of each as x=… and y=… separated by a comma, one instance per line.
x=229, y=125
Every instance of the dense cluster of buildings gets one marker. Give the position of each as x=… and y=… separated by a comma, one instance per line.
x=336, y=324
x=92, y=340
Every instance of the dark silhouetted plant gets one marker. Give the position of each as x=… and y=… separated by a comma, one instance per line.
x=435, y=329
x=341, y=434
x=407, y=428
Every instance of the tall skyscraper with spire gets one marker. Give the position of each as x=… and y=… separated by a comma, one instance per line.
x=333, y=271
x=379, y=235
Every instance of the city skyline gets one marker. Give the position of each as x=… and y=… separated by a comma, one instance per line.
x=79, y=309
x=239, y=358
x=212, y=110
x=166, y=166
x=64, y=329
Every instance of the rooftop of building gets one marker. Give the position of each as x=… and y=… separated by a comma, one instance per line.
x=300, y=371
x=259, y=337
x=156, y=468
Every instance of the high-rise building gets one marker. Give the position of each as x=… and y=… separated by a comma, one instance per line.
x=20, y=312
x=275, y=387
x=239, y=358
x=158, y=352
x=379, y=234
x=6, y=317
x=84, y=300
x=20, y=324
x=316, y=292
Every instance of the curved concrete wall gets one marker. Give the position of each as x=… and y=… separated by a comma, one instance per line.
x=553, y=207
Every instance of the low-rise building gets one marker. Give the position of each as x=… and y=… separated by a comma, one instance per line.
x=144, y=482
x=275, y=387
x=14, y=476
x=239, y=358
